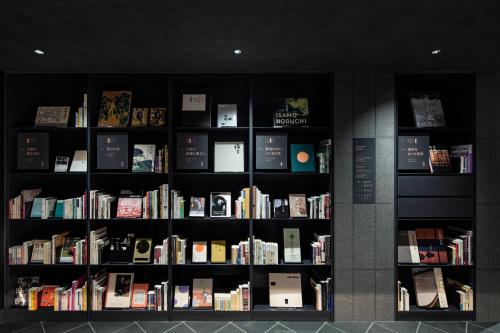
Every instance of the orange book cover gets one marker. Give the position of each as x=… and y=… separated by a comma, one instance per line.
x=47, y=299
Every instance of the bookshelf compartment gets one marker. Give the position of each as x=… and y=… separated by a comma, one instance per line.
x=435, y=207
x=436, y=186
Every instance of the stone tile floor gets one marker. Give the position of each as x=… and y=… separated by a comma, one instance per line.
x=249, y=327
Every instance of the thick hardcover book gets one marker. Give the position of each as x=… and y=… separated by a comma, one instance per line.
x=271, y=151
x=115, y=109
x=52, y=116
x=192, y=151
x=426, y=291
x=427, y=246
x=291, y=112
x=439, y=159
x=112, y=151
x=33, y=151
x=413, y=152
x=196, y=110
x=143, y=160
x=427, y=110
x=302, y=158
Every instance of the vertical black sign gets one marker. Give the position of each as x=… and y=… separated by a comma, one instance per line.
x=363, y=171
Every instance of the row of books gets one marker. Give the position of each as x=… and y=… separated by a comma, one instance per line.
x=28, y=204
x=403, y=298
x=432, y=290
x=265, y=253
x=458, y=158
x=430, y=246
x=61, y=249
x=31, y=294
x=323, y=293
x=120, y=291
x=321, y=249
x=204, y=297
x=81, y=117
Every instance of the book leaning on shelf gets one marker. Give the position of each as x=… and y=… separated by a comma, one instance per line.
x=61, y=249
x=235, y=300
x=403, y=298
x=240, y=254
x=321, y=249
x=460, y=295
x=265, y=253
x=72, y=297
x=323, y=293
x=81, y=114
x=28, y=204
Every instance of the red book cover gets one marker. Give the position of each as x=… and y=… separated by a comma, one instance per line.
x=129, y=207
x=426, y=246
x=47, y=299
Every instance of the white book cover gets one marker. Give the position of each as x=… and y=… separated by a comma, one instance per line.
x=285, y=290
x=291, y=240
x=61, y=164
x=229, y=157
x=227, y=115
x=194, y=102
x=79, y=163
x=199, y=252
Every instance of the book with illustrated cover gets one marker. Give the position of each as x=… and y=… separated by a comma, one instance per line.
x=271, y=151
x=220, y=204
x=227, y=115
x=199, y=252
x=196, y=110
x=427, y=110
x=129, y=207
x=140, y=117
x=192, y=151
x=202, y=293
x=281, y=208
x=218, y=249
x=144, y=156
x=291, y=241
x=112, y=151
x=298, y=205
x=115, y=109
x=33, y=151
x=197, y=207
x=302, y=158
x=61, y=164
x=119, y=290
x=429, y=288
x=157, y=117
x=52, y=116
x=47, y=299
x=291, y=112
x=439, y=159
x=24, y=283
x=181, y=297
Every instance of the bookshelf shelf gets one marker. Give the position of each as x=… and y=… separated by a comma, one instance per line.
x=253, y=98
x=425, y=200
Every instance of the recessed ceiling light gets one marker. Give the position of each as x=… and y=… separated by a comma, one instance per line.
x=436, y=52
x=238, y=51
x=40, y=52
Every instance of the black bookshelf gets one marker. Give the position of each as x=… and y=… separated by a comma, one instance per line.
x=436, y=200
x=253, y=94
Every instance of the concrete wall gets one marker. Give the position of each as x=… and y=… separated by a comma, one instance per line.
x=364, y=234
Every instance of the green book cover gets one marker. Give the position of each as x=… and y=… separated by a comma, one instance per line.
x=302, y=156
x=59, y=212
x=36, y=210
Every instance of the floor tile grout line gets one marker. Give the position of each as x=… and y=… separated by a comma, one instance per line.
x=369, y=327
x=21, y=329
x=171, y=328
x=90, y=325
x=217, y=330
x=140, y=327
x=319, y=329
x=192, y=329
x=486, y=328
x=441, y=330
x=74, y=328
x=237, y=327
x=270, y=328
x=43, y=328
x=288, y=328
x=341, y=330
x=418, y=327
x=387, y=328
x=122, y=328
